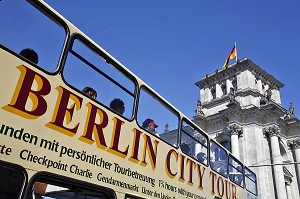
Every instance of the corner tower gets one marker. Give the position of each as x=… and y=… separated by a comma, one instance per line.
x=240, y=107
x=250, y=84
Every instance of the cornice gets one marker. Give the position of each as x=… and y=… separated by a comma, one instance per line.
x=247, y=92
x=273, y=109
x=236, y=68
x=216, y=102
x=267, y=111
x=225, y=98
x=210, y=120
x=263, y=75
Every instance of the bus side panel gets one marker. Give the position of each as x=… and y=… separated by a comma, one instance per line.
x=47, y=126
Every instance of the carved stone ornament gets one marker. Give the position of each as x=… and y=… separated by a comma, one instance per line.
x=271, y=131
x=235, y=129
x=198, y=110
x=288, y=183
x=294, y=143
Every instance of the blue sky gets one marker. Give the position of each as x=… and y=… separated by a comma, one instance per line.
x=172, y=44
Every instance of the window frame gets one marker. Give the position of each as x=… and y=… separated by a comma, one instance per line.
x=63, y=180
x=93, y=48
x=249, y=178
x=161, y=101
x=210, y=159
x=60, y=23
x=195, y=139
x=230, y=165
x=21, y=170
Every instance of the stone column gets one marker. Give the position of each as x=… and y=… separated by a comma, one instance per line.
x=235, y=130
x=259, y=86
x=205, y=94
x=295, y=145
x=229, y=85
x=288, y=190
x=297, y=153
x=219, y=92
x=272, y=133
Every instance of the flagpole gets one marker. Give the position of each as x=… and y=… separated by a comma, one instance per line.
x=236, y=57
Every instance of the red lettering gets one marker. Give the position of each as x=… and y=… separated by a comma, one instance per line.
x=181, y=177
x=220, y=186
x=19, y=104
x=171, y=153
x=191, y=168
x=63, y=113
x=201, y=171
x=152, y=151
x=95, y=128
x=135, y=145
x=213, y=180
x=114, y=148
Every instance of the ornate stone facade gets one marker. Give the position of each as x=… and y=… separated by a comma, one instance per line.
x=261, y=133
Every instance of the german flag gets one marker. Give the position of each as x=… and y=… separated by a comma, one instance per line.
x=230, y=56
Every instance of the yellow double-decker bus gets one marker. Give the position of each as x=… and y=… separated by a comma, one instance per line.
x=76, y=123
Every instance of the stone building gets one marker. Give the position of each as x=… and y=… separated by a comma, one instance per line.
x=240, y=107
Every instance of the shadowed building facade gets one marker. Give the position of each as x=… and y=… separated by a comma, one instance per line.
x=240, y=107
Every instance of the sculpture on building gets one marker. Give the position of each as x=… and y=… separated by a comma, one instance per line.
x=199, y=109
x=263, y=100
x=231, y=95
x=268, y=94
x=291, y=109
x=166, y=128
x=266, y=98
x=290, y=113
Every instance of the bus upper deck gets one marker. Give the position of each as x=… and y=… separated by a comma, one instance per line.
x=76, y=123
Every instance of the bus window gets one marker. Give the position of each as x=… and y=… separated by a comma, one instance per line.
x=12, y=181
x=236, y=173
x=26, y=27
x=157, y=117
x=55, y=187
x=85, y=68
x=218, y=158
x=194, y=142
x=250, y=181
